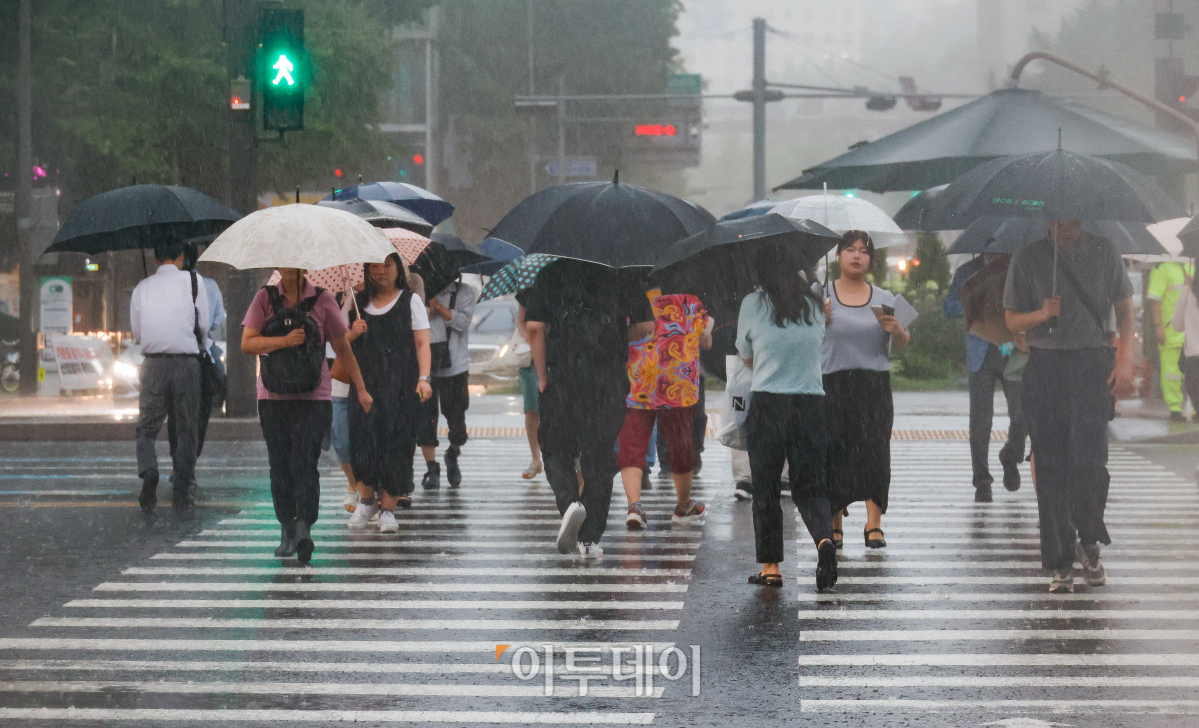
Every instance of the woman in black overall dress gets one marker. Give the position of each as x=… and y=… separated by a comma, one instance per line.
x=389, y=334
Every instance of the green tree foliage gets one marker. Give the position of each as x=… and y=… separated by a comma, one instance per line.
x=933, y=267
x=614, y=46
x=128, y=89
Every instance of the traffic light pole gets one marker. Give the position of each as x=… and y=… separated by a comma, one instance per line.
x=24, y=205
x=759, y=102
x=241, y=398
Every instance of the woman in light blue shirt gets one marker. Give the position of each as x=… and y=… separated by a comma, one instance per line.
x=779, y=332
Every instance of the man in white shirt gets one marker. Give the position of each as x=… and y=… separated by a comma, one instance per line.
x=164, y=318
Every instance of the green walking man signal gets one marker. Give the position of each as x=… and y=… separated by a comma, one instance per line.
x=283, y=70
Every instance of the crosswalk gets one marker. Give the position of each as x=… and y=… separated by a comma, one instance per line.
x=954, y=616
x=379, y=628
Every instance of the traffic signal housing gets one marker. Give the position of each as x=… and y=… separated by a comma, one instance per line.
x=1174, y=89
x=282, y=68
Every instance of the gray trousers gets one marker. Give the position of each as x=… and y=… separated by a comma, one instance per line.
x=169, y=384
x=982, y=412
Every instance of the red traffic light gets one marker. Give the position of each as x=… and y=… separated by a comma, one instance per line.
x=655, y=130
x=418, y=159
x=337, y=172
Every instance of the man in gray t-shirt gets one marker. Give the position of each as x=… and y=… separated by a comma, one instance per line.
x=1068, y=385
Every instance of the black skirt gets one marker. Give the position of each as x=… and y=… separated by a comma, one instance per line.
x=858, y=417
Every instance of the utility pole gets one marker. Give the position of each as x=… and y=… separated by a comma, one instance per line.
x=561, y=130
x=532, y=92
x=24, y=205
x=759, y=101
x=241, y=21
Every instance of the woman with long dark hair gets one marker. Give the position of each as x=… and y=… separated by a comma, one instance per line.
x=779, y=333
x=857, y=385
x=389, y=334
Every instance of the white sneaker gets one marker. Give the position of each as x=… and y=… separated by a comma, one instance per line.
x=362, y=516
x=588, y=551
x=568, y=532
x=387, y=523
x=351, y=501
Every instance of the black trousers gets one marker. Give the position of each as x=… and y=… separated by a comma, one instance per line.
x=582, y=419
x=293, y=430
x=1068, y=403
x=1190, y=378
x=787, y=428
x=453, y=397
x=982, y=413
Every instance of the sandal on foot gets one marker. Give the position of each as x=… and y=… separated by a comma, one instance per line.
x=533, y=470
x=766, y=579
x=838, y=542
x=403, y=501
x=874, y=543
x=826, y=567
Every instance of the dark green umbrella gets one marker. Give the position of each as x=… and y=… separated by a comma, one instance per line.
x=1009, y=234
x=141, y=216
x=1003, y=123
x=515, y=276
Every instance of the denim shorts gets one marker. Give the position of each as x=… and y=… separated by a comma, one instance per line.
x=530, y=389
x=341, y=429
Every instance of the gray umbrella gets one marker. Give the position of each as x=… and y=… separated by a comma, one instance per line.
x=1003, y=123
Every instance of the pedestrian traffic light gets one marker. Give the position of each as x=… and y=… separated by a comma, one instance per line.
x=282, y=68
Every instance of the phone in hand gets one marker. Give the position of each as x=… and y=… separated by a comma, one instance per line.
x=880, y=311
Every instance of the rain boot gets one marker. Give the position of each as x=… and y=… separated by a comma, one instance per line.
x=287, y=541
x=303, y=542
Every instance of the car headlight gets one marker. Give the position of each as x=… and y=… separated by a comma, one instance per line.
x=121, y=369
x=503, y=350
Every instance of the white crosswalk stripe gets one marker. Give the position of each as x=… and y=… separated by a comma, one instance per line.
x=470, y=570
x=958, y=600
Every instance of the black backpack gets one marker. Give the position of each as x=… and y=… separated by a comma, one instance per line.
x=296, y=369
x=584, y=336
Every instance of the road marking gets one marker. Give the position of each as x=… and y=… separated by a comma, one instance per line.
x=944, y=614
x=304, y=688
x=356, y=624
x=1001, y=660
x=208, y=556
x=163, y=716
x=402, y=571
x=430, y=536
x=422, y=588
x=993, y=681
x=940, y=635
x=1159, y=707
x=366, y=604
x=382, y=668
x=349, y=542
x=975, y=596
x=1130, y=566
x=1043, y=581
x=366, y=646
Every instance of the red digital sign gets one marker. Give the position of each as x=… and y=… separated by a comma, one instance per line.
x=655, y=130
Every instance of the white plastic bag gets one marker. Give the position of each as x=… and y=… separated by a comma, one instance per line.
x=737, y=394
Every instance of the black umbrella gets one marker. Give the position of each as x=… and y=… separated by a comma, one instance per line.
x=914, y=213
x=1189, y=235
x=613, y=224
x=441, y=260
x=717, y=266
x=1057, y=185
x=382, y=214
x=499, y=254
x=1003, y=123
x=1009, y=234
x=141, y=216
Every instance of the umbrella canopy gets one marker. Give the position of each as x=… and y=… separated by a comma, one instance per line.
x=613, y=224
x=1004, y=123
x=1057, y=185
x=1166, y=233
x=914, y=214
x=499, y=254
x=516, y=276
x=843, y=214
x=441, y=261
x=141, y=216
x=382, y=214
x=1009, y=234
x=421, y=201
x=1189, y=235
x=345, y=277
x=761, y=207
x=299, y=236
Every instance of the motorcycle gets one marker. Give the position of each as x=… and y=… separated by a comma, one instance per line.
x=10, y=370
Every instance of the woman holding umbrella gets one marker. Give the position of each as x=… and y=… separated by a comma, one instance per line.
x=857, y=385
x=390, y=337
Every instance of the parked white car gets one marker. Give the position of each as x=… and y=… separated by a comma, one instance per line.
x=494, y=341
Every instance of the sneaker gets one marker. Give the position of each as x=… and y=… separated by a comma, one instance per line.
x=1011, y=469
x=568, y=532
x=588, y=551
x=1063, y=582
x=1092, y=565
x=351, y=501
x=432, y=479
x=149, y=495
x=743, y=490
x=387, y=523
x=983, y=494
x=452, y=472
x=636, y=518
x=693, y=512
x=362, y=516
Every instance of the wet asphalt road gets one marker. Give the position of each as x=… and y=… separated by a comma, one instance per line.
x=110, y=618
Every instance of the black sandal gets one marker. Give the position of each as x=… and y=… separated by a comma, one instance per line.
x=404, y=501
x=766, y=579
x=874, y=543
x=838, y=542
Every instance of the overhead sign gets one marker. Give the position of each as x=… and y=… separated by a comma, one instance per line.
x=56, y=305
x=577, y=167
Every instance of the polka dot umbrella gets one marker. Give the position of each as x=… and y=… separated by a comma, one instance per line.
x=516, y=276
x=344, y=277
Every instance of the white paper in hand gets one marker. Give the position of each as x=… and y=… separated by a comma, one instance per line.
x=904, y=313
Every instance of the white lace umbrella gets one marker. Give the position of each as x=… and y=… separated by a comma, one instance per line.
x=842, y=214
x=346, y=277
x=299, y=236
